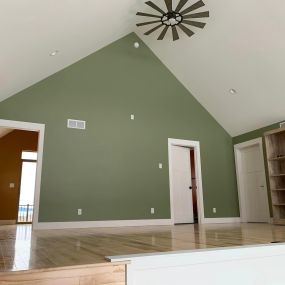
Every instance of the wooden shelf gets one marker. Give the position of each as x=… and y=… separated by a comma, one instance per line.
x=277, y=158
x=275, y=154
x=277, y=221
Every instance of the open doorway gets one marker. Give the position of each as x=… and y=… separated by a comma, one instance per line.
x=17, y=175
x=21, y=149
x=185, y=182
x=194, y=184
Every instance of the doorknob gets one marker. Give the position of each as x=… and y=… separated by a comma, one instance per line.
x=190, y=187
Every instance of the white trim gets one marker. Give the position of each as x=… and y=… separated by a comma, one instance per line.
x=249, y=143
x=103, y=224
x=222, y=220
x=241, y=191
x=7, y=222
x=190, y=258
x=41, y=129
x=200, y=201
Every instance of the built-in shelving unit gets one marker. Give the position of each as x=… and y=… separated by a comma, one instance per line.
x=275, y=153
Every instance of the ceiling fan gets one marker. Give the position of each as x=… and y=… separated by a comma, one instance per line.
x=174, y=18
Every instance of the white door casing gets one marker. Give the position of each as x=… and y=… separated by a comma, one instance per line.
x=198, y=174
x=40, y=128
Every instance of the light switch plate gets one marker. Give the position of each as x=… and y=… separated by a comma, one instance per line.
x=152, y=211
x=160, y=165
x=132, y=116
x=12, y=185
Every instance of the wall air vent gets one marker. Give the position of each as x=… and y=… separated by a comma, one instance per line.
x=282, y=125
x=76, y=124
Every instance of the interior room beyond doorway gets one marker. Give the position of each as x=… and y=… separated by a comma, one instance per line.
x=18, y=154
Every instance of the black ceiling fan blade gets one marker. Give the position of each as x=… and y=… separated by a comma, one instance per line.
x=174, y=33
x=197, y=15
x=153, y=29
x=187, y=31
x=162, y=35
x=180, y=5
x=147, y=15
x=148, y=23
x=152, y=5
x=168, y=4
x=194, y=23
x=193, y=7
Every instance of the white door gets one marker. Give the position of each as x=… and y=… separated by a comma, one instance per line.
x=254, y=185
x=181, y=184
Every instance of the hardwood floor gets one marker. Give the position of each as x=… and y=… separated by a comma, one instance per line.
x=99, y=274
x=23, y=249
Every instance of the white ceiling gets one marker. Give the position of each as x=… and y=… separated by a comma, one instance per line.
x=31, y=29
x=242, y=47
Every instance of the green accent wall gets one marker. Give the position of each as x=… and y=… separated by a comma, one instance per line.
x=110, y=170
x=253, y=135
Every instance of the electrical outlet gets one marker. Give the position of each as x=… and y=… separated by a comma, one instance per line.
x=214, y=210
x=79, y=212
x=132, y=116
x=160, y=165
x=152, y=211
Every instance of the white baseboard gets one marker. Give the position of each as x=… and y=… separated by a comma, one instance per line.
x=7, y=222
x=221, y=220
x=101, y=224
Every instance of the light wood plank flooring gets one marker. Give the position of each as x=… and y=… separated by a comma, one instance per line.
x=23, y=249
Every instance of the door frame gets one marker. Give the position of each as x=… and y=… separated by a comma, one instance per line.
x=238, y=148
x=40, y=128
x=200, y=201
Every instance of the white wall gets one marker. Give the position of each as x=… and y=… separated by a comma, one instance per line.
x=254, y=265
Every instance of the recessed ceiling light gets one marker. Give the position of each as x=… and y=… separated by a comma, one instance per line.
x=233, y=91
x=136, y=45
x=54, y=53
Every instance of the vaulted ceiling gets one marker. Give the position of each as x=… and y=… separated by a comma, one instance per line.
x=241, y=47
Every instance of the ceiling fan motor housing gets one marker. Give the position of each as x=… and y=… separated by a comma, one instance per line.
x=171, y=18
